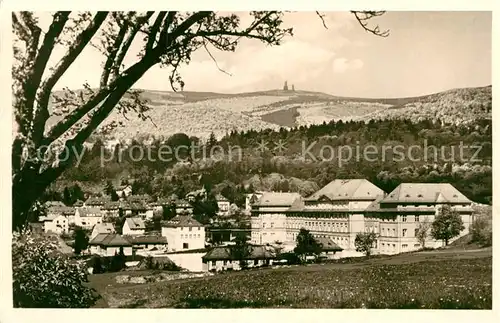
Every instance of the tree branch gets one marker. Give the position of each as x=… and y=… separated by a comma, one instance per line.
x=128, y=41
x=154, y=30
x=322, y=17
x=363, y=16
x=73, y=52
x=113, y=51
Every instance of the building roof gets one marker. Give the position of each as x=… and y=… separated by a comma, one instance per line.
x=224, y=253
x=277, y=199
x=112, y=205
x=347, y=189
x=221, y=198
x=139, y=198
x=104, y=228
x=89, y=211
x=182, y=221
x=51, y=217
x=146, y=239
x=78, y=203
x=327, y=244
x=64, y=210
x=135, y=223
x=109, y=240
x=54, y=203
x=182, y=203
x=97, y=200
x=425, y=193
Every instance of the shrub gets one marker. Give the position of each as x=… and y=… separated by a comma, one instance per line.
x=43, y=278
x=481, y=231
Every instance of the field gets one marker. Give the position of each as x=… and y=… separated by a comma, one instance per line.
x=456, y=278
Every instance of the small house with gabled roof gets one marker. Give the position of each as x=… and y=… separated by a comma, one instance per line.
x=183, y=233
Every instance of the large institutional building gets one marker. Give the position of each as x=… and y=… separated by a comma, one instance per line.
x=343, y=208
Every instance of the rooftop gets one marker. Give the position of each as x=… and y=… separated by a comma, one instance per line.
x=109, y=240
x=135, y=223
x=224, y=253
x=425, y=193
x=277, y=199
x=347, y=189
x=182, y=221
x=104, y=228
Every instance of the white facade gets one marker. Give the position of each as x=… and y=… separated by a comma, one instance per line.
x=110, y=251
x=59, y=225
x=133, y=226
x=184, y=238
x=87, y=217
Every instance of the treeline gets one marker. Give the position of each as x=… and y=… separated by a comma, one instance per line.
x=441, y=158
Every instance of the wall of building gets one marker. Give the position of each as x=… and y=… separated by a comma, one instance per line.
x=176, y=237
x=188, y=261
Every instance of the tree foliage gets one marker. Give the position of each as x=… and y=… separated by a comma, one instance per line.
x=364, y=242
x=447, y=225
x=306, y=245
x=241, y=249
x=423, y=232
x=81, y=240
x=167, y=39
x=42, y=277
x=481, y=229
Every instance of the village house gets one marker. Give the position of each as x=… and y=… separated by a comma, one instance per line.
x=133, y=226
x=183, y=233
x=50, y=204
x=147, y=244
x=112, y=209
x=96, y=202
x=102, y=228
x=223, y=205
x=55, y=223
x=88, y=217
x=344, y=208
x=124, y=190
x=222, y=258
x=109, y=244
x=397, y=217
x=183, y=207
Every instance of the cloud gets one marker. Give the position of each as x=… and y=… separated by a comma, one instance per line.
x=341, y=65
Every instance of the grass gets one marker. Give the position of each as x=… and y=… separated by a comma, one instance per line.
x=437, y=279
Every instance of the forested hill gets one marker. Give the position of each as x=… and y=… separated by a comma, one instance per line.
x=201, y=113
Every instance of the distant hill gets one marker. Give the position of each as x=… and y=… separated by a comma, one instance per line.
x=200, y=113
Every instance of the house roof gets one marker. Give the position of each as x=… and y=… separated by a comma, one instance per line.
x=224, y=253
x=64, y=210
x=221, y=198
x=347, y=189
x=78, y=203
x=51, y=217
x=97, y=200
x=104, y=228
x=327, y=244
x=135, y=223
x=146, y=239
x=112, y=205
x=182, y=221
x=277, y=199
x=182, y=203
x=89, y=211
x=140, y=198
x=425, y=193
x=54, y=203
x=109, y=240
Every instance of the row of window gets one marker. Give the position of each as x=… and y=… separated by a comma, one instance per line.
x=389, y=247
x=190, y=228
x=392, y=233
x=190, y=236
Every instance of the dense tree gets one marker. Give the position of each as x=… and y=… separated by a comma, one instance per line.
x=40, y=273
x=423, y=232
x=307, y=245
x=241, y=249
x=81, y=240
x=167, y=39
x=364, y=242
x=447, y=224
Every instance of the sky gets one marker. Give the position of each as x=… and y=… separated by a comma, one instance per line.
x=426, y=52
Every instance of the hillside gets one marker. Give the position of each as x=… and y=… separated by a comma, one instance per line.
x=200, y=113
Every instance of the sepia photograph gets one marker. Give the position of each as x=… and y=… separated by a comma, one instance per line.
x=251, y=159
